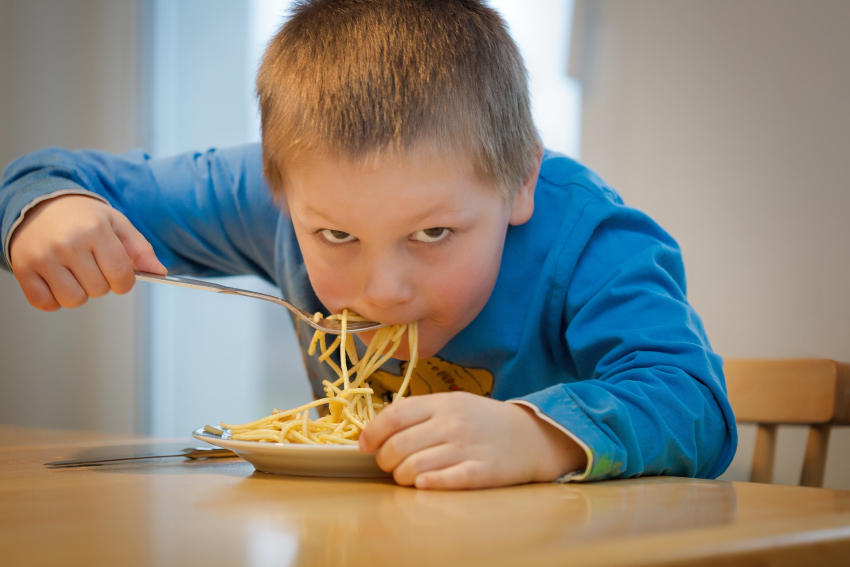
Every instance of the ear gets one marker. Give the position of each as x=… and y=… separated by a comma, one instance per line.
x=523, y=206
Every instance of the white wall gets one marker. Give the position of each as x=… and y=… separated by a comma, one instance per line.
x=541, y=29
x=69, y=76
x=728, y=121
x=114, y=75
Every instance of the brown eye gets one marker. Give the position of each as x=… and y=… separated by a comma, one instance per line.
x=337, y=236
x=431, y=234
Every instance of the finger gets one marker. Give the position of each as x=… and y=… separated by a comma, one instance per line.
x=89, y=276
x=431, y=459
x=37, y=291
x=407, y=442
x=64, y=286
x=464, y=475
x=398, y=416
x=115, y=264
x=138, y=248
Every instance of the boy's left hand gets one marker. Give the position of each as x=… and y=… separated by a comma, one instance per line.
x=459, y=440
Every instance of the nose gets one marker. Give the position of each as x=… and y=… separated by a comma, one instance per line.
x=387, y=284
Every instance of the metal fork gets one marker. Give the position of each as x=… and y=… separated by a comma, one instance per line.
x=327, y=325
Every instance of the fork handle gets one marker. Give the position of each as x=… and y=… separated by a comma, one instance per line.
x=181, y=282
x=208, y=286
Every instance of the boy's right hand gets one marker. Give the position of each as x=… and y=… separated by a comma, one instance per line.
x=74, y=247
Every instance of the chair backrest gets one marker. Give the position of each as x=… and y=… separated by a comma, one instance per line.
x=773, y=392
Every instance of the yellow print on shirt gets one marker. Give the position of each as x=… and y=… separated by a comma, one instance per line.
x=433, y=375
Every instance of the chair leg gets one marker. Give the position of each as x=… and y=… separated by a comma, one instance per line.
x=814, y=464
x=762, y=470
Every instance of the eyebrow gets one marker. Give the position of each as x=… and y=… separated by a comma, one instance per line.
x=439, y=208
x=317, y=213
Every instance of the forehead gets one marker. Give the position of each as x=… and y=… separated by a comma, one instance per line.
x=410, y=177
x=386, y=195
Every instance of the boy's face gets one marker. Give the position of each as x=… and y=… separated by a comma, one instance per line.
x=413, y=239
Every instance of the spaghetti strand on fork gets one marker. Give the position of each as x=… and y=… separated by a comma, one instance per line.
x=350, y=400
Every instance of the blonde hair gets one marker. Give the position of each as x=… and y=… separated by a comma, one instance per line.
x=365, y=78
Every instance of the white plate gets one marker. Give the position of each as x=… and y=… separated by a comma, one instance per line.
x=300, y=460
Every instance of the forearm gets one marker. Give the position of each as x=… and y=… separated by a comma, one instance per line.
x=644, y=421
x=643, y=387
x=205, y=214
x=26, y=184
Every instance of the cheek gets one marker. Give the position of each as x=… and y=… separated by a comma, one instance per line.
x=331, y=291
x=464, y=284
x=449, y=292
x=332, y=277
x=454, y=294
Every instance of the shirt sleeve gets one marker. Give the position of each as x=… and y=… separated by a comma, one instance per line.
x=650, y=396
x=205, y=214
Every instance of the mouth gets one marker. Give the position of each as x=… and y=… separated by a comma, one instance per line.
x=430, y=330
x=384, y=318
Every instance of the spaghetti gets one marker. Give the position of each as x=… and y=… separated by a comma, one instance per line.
x=349, y=399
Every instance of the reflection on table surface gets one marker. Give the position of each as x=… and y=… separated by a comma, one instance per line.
x=221, y=512
x=371, y=521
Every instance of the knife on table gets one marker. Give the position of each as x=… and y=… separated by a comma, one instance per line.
x=140, y=453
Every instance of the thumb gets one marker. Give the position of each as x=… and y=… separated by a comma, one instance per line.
x=138, y=248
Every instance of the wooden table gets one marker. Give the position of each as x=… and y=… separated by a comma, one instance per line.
x=222, y=512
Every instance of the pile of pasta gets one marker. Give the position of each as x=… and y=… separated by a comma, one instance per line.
x=350, y=401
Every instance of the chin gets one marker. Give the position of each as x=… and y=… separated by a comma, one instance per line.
x=403, y=352
x=427, y=348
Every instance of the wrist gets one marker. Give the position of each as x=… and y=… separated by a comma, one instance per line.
x=30, y=212
x=554, y=452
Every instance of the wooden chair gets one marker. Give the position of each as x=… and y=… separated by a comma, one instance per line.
x=769, y=393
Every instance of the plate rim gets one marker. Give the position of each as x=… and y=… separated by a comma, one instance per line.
x=202, y=435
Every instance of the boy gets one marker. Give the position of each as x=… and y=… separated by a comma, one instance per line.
x=398, y=142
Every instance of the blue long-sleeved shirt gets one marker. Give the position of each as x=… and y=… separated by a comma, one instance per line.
x=588, y=323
